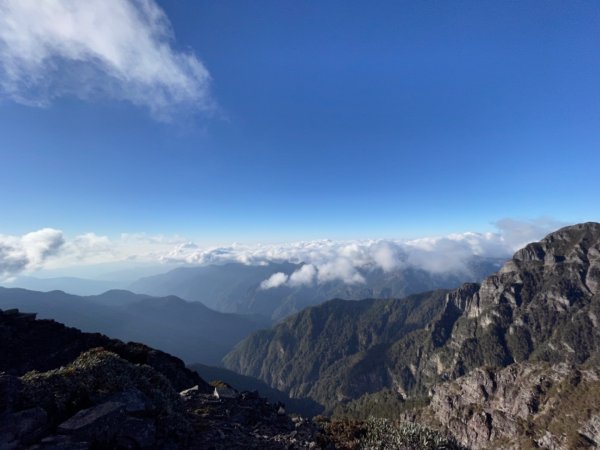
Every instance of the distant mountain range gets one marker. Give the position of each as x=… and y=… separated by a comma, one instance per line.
x=538, y=317
x=236, y=288
x=188, y=330
x=71, y=285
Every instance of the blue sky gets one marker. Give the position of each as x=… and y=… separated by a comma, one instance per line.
x=328, y=119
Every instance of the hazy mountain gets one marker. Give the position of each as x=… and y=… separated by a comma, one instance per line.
x=188, y=330
x=228, y=287
x=543, y=306
x=71, y=285
x=236, y=287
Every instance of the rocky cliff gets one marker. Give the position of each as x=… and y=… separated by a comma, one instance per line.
x=525, y=405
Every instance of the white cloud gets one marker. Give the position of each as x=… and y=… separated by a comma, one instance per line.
x=305, y=275
x=327, y=260
x=339, y=269
x=91, y=49
x=518, y=233
x=322, y=260
x=28, y=252
x=275, y=280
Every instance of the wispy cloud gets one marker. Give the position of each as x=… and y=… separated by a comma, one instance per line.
x=519, y=232
x=123, y=49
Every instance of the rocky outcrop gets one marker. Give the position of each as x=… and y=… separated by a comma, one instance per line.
x=521, y=406
x=246, y=422
x=27, y=344
x=123, y=396
x=100, y=400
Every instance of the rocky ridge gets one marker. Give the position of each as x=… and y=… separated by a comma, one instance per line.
x=113, y=395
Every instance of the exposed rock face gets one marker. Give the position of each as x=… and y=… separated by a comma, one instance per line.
x=521, y=406
x=543, y=305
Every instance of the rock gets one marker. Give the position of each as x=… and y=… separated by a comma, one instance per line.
x=189, y=392
x=10, y=387
x=22, y=427
x=100, y=422
x=60, y=443
x=136, y=433
x=224, y=391
x=591, y=430
x=103, y=400
x=522, y=405
x=133, y=399
x=27, y=344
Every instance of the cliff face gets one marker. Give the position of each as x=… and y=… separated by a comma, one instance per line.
x=524, y=405
x=543, y=305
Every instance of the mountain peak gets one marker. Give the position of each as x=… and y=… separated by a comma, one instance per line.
x=563, y=245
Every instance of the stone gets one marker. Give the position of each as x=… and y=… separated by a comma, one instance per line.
x=10, y=387
x=98, y=422
x=505, y=405
x=138, y=433
x=60, y=443
x=23, y=427
x=591, y=430
x=135, y=401
x=190, y=391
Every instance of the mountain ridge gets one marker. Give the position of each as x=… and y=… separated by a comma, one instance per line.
x=188, y=330
x=542, y=306
x=236, y=287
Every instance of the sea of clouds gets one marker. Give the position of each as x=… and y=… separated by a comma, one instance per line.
x=323, y=260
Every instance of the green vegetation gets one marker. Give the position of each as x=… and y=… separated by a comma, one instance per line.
x=383, y=434
x=383, y=404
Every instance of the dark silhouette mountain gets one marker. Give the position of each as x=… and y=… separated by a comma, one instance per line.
x=542, y=307
x=188, y=330
x=237, y=288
